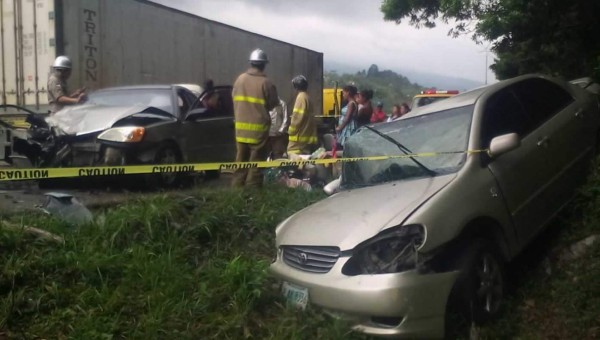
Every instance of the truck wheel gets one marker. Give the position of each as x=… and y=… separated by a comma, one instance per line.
x=479, y=290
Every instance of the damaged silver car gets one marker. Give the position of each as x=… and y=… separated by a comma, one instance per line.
x=407, y=237
x=151, y=124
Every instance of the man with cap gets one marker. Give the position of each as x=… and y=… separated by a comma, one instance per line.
x=378, y=115
x=58, y=95
x=254, y=95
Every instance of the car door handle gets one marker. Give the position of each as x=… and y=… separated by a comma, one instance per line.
x=543, y=141
x=579, y=113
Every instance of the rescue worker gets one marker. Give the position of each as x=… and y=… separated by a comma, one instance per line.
x=303, y=128
x=58, y=94
x=254, y=95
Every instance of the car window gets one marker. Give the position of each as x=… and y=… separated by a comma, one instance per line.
x=217, y=102
x=183, y=102
x=542, y=99
x=444, y=131
x=504, y=114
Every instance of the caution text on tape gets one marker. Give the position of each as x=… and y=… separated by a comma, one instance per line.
x=44, y=173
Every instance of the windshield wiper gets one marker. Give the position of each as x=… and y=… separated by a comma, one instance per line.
x=404, y=149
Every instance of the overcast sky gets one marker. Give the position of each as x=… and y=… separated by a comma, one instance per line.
x=350, y=32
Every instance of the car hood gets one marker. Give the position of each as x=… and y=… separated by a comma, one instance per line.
x=90, y=118
x=350, y=217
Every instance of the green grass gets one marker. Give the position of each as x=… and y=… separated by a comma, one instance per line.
x=565, y=303
x=195, y=267
x=180, y=267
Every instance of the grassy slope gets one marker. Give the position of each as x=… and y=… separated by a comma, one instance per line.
x=550, y=298
x=195, y=267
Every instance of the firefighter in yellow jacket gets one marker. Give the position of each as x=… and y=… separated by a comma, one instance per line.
x=303, y=129
x=254, y=95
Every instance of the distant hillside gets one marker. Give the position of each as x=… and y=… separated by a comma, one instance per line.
x=388, y=86
x=425, y=79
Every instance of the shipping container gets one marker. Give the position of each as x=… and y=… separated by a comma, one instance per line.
x=128, y=42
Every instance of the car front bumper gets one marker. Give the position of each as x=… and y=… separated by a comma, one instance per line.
x=413, y=305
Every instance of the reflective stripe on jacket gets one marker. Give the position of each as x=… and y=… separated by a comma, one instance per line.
x=253, y=97
x=303, y=129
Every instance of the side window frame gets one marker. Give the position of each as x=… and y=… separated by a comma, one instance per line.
x=537, y=118
x=525, y=129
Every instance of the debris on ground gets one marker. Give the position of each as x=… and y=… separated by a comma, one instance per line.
x=67, y=208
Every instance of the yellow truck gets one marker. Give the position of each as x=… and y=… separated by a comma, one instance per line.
x=332, y=100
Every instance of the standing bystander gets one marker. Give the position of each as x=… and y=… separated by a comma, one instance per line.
x=278, y=132
x=378, y=115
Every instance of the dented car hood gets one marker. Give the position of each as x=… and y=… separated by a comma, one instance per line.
x=350, y=217
x=91, y=118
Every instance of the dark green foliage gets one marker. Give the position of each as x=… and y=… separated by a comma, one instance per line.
x=546, y=36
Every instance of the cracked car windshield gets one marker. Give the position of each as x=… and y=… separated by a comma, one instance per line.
x=160, y=99
x=443, y=131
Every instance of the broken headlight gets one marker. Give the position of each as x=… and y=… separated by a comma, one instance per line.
x=125, y=134
x=392, y=251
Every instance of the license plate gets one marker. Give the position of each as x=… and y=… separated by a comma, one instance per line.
x=295, y=296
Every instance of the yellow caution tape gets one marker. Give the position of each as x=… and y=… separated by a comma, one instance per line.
x=43, y=173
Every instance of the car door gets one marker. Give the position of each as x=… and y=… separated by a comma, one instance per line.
x=523, y=174
x=574, y=133
x=209, y=130
x=565, y=137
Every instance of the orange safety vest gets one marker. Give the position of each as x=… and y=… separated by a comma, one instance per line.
x=253, y=97
x=303, y=128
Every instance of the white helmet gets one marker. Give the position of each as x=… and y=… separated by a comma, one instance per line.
x=258, y=56
x=62, y=62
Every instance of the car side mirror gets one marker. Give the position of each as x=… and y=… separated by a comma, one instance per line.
x=503, y=144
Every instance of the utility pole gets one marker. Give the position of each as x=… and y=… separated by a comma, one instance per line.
x=486, y=65
x=487, y=53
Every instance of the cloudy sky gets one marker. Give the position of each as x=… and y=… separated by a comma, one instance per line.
x=350, y=32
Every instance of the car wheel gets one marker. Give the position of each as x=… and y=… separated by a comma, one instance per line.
x=167, y=154
x=479, y=290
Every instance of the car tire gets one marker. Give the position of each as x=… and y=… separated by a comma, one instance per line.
x=166, y=154
x=479, y=289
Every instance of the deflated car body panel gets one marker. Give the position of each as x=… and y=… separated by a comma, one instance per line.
x=86, y=119
x=364, y=212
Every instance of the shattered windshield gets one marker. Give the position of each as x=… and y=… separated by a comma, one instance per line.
x=158, y=98
x=443, y=131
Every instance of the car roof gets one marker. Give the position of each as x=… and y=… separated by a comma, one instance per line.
x=140, y=87
x=470, y=97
